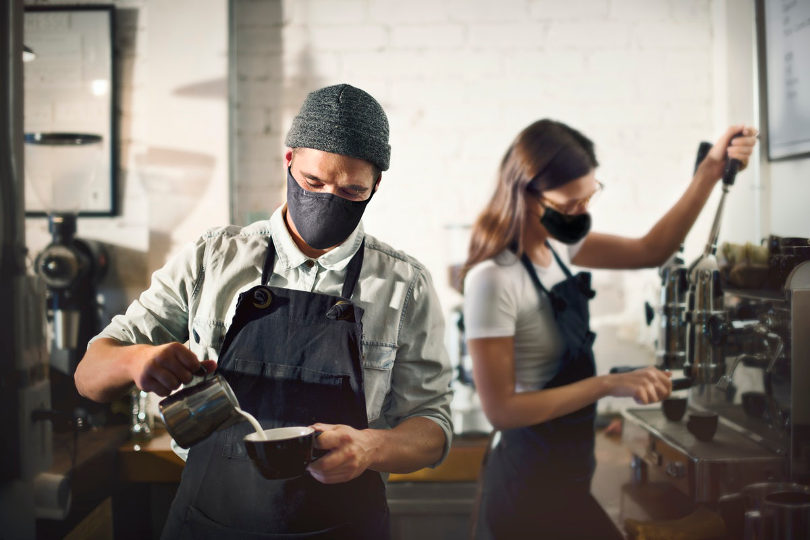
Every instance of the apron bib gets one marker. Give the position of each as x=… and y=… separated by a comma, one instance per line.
x=292, y=358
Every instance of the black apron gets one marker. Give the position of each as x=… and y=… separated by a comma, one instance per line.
x=537, y=479
x=293, y=358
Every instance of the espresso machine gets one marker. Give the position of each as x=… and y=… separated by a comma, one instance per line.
x=745, y=359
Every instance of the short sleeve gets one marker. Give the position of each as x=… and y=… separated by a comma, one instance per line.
x=573, y=249
x=490, y=301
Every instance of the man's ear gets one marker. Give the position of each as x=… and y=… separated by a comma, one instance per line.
x=377, y=183
x=288, y=155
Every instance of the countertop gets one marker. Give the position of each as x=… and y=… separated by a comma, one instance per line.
x=153, y=461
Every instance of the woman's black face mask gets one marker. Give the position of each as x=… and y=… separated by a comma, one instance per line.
x=566, y=228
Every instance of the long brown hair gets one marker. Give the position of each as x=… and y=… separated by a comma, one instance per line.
x=545, y=155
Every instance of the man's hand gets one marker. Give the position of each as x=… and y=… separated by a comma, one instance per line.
x=162, y=368
x=351, y=452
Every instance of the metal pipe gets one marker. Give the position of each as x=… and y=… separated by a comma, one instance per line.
x=711, y=245
x=12, y=229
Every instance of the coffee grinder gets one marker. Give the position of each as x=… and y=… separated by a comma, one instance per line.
x=60, y=167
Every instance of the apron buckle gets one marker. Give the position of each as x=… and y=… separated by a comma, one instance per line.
x=341, y=310
x=262, y=298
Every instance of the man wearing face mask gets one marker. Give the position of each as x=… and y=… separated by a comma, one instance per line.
x=312, y=322
x=527, y=325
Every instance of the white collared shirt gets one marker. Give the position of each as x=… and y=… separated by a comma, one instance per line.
x=193, y=298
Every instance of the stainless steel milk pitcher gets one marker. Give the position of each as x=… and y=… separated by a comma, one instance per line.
x=195, y=412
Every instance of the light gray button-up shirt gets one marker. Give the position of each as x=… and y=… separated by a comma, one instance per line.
x=405, y=365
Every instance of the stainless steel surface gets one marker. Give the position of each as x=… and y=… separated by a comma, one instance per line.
x=727, y=444
x=798, y=290
x=755, y=493
x=783, y=515
x=66, y=328
x=704, y=471
x=711, y=245
x=704, y=353
x=195, y=412
x=671, y=343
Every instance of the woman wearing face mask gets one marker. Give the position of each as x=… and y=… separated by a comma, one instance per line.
x=526, y=321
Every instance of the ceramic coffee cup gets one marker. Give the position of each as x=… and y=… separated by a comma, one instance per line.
x=703, y=425
x=285, y=453
x=674, y=408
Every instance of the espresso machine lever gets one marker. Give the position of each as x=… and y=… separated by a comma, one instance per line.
x=705, y=363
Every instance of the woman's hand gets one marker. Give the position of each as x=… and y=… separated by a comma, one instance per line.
x=729, y=147
x=646, y=385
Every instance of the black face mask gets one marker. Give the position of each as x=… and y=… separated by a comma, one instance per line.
x=323, y=220
x=568, y=229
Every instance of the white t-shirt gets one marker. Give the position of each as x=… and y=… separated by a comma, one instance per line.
x=500, y=300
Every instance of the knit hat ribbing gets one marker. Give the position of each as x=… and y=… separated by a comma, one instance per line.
x=344, y=120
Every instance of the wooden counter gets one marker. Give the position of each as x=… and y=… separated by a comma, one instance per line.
x=153, y=461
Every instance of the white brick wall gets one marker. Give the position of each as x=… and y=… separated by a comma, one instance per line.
x=459, y=79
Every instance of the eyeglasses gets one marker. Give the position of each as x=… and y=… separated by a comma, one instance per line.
x=574, y=207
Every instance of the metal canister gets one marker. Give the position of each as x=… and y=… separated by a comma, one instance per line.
x=195, y=412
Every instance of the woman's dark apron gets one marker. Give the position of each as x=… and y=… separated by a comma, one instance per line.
x=537, y=479
x=293, y=358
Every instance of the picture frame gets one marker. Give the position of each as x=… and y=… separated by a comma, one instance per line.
x=71, y=88
x=783, y=45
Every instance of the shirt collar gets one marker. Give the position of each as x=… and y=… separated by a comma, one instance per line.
x=291, y=257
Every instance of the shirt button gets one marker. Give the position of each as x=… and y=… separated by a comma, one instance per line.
x=310, y=263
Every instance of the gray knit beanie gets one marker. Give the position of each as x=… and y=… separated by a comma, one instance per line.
x=344, y=120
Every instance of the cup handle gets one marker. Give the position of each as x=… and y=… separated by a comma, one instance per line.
x=317, y=453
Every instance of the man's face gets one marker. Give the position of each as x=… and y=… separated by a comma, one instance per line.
x=323, y=172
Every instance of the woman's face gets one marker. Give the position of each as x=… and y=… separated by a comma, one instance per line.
x=571, y=198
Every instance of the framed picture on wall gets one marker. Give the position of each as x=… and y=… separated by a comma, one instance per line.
x=71, y=135
x=783, y=35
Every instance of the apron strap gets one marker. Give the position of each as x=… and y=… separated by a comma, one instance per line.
x=269, y=261
x=527, y=263
x=558, y=304
x=565, y=269
x=352, y=269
